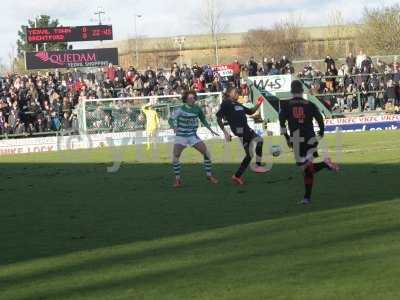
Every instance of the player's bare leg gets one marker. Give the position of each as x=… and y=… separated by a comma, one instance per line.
x=177, y=152
x=202, y=148
x=331, y=165
x=259, y=166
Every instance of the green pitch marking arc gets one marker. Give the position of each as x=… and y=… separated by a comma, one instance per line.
x=270, y=113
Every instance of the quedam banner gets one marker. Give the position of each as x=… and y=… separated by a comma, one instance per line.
x=71, y=58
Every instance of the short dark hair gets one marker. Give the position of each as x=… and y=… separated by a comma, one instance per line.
x=297, y=87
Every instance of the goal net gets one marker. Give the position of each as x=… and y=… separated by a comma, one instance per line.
x=127, y=115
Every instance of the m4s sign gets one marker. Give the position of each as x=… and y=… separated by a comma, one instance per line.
x=272, y=84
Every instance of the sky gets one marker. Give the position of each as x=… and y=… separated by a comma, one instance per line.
x=172, y=17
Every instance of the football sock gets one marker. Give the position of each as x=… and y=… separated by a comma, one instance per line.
x=208, y=166
x=177, y=169
x=308, y=180
x=259, y=153
x=243, y=166
x=309, y=172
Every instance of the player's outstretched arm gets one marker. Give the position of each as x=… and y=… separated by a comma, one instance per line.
x=221, y=125
x=220, y=116
x=253, y=110
x=204, y=121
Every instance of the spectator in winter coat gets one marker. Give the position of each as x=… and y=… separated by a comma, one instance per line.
x=91, y=77
x=265, y=66
x=216, y=85
x=110, y=72
x=360, y=58
x=236, y=68
x=186, y=72
x=199, y=84
x=253, y=67
x=331, y=78
x=390, y=93
x=396, y=76
x=366, y=65
x=197, y=70
x=120, y=73
x=282, y=64
x=99, y=75
x=329, y=63
x=350, y=62
x=274, y=70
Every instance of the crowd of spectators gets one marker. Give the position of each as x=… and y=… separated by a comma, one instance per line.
x=40, y=103
x=357, y=83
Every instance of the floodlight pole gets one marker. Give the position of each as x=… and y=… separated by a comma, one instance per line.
x=99, y=13
x=36, y=25
x=217, y=40
x=216, y=51
x=180, y=42
x=136, y=40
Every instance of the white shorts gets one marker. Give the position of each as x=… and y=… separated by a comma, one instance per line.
x=187, y=141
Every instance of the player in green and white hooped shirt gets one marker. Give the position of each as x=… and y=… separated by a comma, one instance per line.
x=185, y=122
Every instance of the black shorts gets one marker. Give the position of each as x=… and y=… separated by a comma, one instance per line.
x=248, y=137
x=306, y=151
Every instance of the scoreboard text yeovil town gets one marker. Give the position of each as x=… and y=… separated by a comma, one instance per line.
x=69, y=34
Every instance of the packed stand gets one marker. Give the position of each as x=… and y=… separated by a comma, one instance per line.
x=357, y=84
x=39, y=104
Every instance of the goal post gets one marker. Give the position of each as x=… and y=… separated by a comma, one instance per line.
x=113, y=115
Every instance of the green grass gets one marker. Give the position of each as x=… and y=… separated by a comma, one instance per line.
x=70, y=230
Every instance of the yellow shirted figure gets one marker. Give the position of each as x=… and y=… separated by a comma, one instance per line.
x=152, y=123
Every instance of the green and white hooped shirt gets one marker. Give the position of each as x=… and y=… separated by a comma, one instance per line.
x=186, y=120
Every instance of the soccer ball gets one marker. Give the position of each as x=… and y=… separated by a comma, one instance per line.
x=276, y=150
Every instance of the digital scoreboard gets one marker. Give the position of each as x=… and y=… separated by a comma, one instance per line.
x=69, y=34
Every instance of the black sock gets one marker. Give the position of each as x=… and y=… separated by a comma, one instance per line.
x=243, y=166
x=307, y=194
x=308, y=181
x=259, y=153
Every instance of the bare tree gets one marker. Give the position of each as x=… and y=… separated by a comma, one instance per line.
x=336, y=24
x=291, y=31
x=164, y=53
x=12, y=57
x=380, y=30
x=284, y=38
x=3, y=68
x=211, y=19
x=338, y=35
x=260, y=42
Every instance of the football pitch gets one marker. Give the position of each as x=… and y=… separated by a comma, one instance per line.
x=71, y=230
